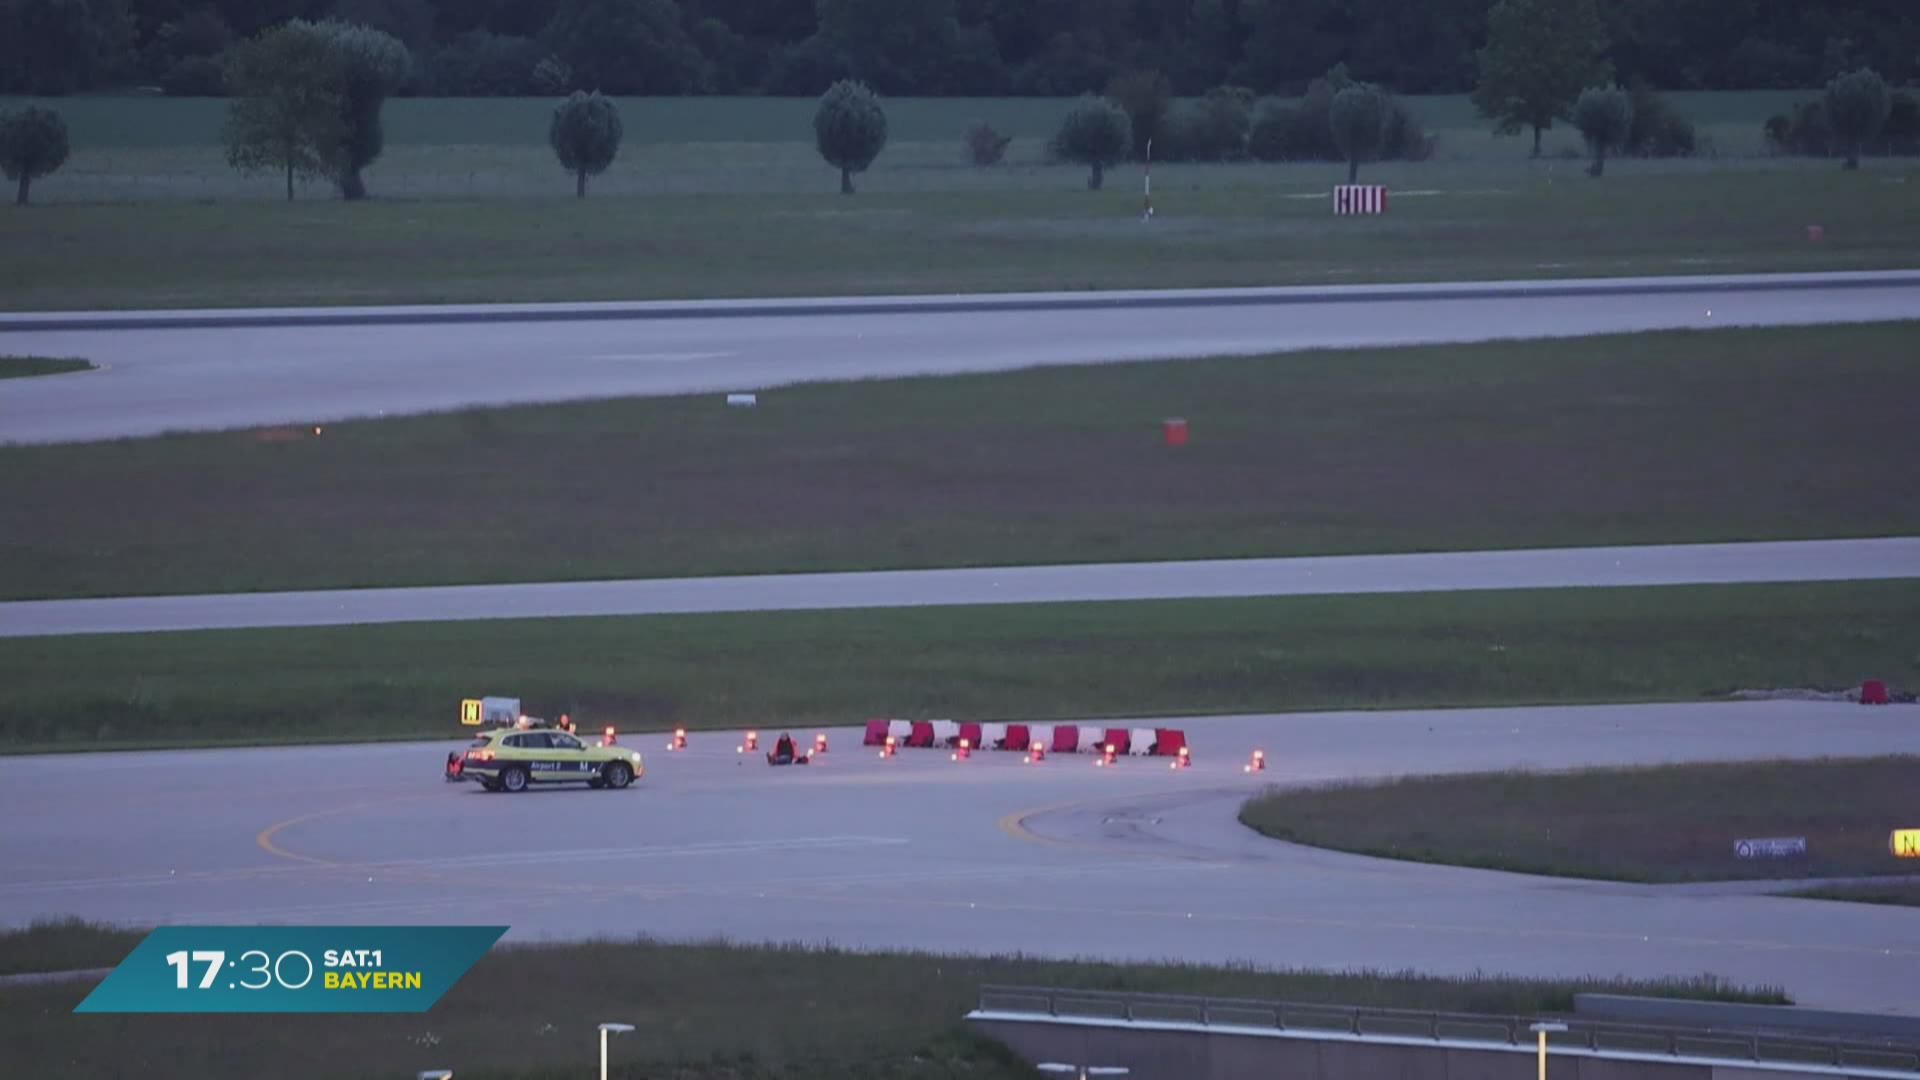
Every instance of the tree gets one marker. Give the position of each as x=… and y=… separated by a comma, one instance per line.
x=1539, y=55
x=408, y=21
x=33, y=144
x=892, y=45
x=850, y=129
x=1147, y=98
x=48, y=48
x=626, y=46
x=371, y=65
x=1857, y=106
x=286, y=112
x=1358, y=119
x=1605, y=119
x=1096, y=133
x=585, y=136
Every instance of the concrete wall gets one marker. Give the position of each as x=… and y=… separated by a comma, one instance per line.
x=1171, y=1052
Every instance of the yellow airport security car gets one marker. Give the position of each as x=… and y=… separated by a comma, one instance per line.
x=512, y=759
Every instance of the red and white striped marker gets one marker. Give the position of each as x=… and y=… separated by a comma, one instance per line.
x=1359, y=199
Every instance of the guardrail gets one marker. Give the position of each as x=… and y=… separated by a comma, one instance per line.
x=1596, y=1036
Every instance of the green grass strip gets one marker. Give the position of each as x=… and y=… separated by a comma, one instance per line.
x=812, y=1014
x=1692, y=436
x=1035, y=661
x=1666, y=824
x=23, y=367
x=1898, y=894
x=425, y=240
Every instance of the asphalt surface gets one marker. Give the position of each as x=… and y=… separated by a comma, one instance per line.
x=1060, y=858
x=247, y=369
x=1829, y=560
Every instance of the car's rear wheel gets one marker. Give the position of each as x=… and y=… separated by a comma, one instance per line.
x=514, y=779
x=617, y=774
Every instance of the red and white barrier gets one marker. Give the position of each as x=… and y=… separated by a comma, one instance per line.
x=1359, y=199
x=1091, y=739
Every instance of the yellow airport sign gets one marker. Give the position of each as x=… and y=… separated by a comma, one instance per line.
x=1905, y=843
x=470, y=712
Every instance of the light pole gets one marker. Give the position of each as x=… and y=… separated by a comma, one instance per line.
x=1541, y=1029
x=605, y=1030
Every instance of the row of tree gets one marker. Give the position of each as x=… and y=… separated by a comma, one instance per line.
x=953, y=47
x=315, y=112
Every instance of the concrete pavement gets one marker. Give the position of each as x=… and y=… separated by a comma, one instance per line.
x=989, y=855
x=908, y=304
x=223, y=370
x=1686, y=564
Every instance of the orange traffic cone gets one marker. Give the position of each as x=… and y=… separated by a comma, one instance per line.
x=1256, y=763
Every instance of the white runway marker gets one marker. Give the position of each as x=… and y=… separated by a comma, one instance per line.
x=651, y=851
x=663, y=358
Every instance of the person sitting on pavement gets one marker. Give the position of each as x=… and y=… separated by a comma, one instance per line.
x=783, y=751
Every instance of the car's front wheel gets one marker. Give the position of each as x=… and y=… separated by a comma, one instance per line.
x=513, y=779
x=617, y=775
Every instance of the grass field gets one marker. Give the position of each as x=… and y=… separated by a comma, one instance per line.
x=1041, y=661
x=122, y=122
x=1213, y=227
x=23, y=367
x=1666, y=824
x=1898, y=893
x=1686, y=436
x=812, y=1014
x=143, y=147
x=470, y=207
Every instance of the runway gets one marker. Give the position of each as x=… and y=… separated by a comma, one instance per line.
x=1059, y=858
x=1684, y=564
x=194, y=371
